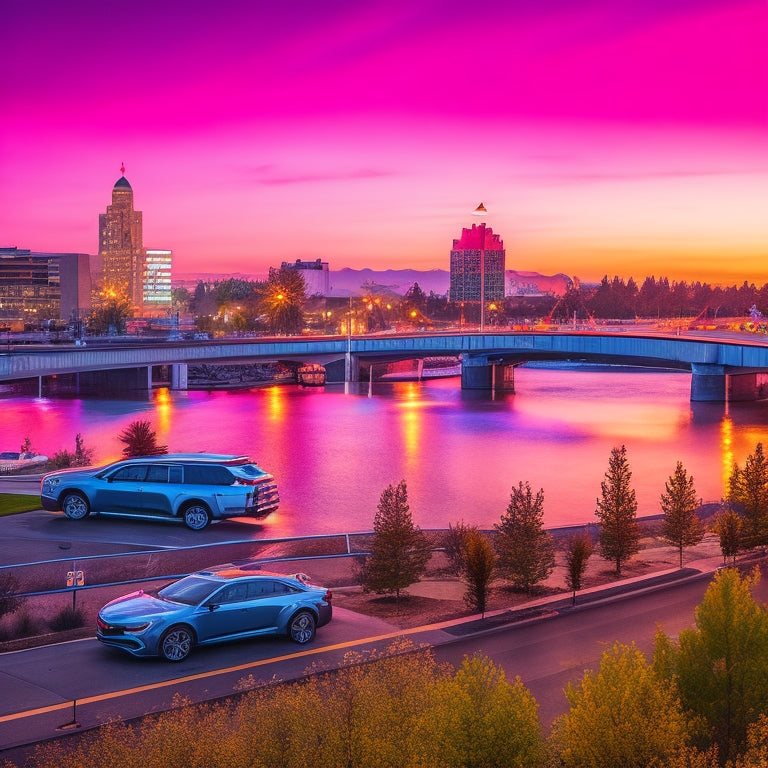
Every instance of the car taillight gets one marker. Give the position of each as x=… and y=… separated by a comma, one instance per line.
x=328, y=595
x=245, y=481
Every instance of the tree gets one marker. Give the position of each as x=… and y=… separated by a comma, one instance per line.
x=110, y=315
x=721, y=666
x=477, y=569
x=81, y=457
x=617, y=511
x=756, y=753
x=399, y=551
x=283, y=302
x=526, y=553
x=728, y=527
x=623, y=716
x=681, y=526
x=578, y=553
x=453, y=545
x=748, y=493
x=477, y=718
x=140, y=440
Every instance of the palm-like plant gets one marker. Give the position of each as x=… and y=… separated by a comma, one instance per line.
x=140, y=440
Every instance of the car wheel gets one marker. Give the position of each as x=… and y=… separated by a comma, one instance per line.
x=196, y=516
x=176, y=644
x=301, y=628
x=75, y=506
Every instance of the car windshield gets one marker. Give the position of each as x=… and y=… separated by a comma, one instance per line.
x=191, y=590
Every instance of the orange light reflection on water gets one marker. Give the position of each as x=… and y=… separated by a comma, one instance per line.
x=410, y=408
x=276, y=403
x=163, y=412
x=726, y=449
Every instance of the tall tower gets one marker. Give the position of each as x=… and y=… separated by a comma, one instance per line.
x=477, y=257
x=121, y=249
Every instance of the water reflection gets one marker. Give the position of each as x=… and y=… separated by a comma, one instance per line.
x=459, y=451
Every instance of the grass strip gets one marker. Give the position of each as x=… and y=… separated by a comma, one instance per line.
x=13, y=503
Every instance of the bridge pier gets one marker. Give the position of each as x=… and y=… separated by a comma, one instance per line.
x=708, y=383
x=487, y=372
x=351, y=368
x=179, y=376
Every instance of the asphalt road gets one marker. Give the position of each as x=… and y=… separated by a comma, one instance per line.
x=549, y=653
x=41, y=685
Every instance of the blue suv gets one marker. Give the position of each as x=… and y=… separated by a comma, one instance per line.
x=193, y=487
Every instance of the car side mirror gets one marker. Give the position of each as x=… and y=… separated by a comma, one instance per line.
x=212, y=607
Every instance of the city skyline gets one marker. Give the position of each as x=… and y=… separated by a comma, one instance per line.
x=623, y=139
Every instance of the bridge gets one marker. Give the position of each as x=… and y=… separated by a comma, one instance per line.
x=723, y=366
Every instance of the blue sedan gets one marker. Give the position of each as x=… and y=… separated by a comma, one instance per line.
x=229, y=602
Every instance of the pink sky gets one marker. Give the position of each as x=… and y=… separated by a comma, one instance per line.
x=604, y=137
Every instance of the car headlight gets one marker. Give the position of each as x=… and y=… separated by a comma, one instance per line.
x=50, y=483
x=136, y=628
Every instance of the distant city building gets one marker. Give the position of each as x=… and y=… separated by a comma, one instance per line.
x=315, y=273
x=35, y=287
x=156, y=282
x=534, y=284
x=121, y=250
x=478, y=252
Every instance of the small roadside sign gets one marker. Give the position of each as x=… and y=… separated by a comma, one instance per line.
x=75, y=578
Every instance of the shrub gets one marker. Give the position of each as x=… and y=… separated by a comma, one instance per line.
x=68, y=618
x=9, y=601
x=26, y=625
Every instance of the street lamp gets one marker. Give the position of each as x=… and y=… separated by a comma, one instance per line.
x=481, y=210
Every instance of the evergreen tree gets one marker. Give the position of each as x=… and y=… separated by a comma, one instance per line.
x=399, y=551
x=526, y=552
x=681, y=526
x=748, y=489
x=617, y=511
x=140, y=440
x=578, y=553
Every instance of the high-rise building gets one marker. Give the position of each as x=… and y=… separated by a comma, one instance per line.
x=156, y=282
x=121, y=250
x=315, y=273
x=35, y=287
x=477, y=255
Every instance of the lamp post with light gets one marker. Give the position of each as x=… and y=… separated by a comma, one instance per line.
x=481, y=210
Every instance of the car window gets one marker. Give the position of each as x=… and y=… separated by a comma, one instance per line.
x=268, y=588
x=261, y=588
x=234, y=593
x=134, y=472
x=201, y=474
x=157, y=473
x=175, y=475
x=190, y=590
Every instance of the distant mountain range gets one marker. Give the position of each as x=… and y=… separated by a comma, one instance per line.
x=355, y=282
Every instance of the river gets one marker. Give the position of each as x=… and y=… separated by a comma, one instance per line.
x=333, y=453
